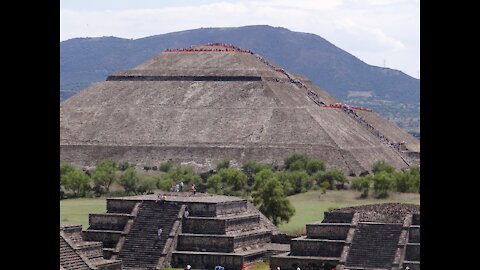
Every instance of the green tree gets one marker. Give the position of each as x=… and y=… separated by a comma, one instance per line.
x=300, y=181
x=332, y=176
x=104, y=176
x=414, y=179
x=296, y=161
x=65, y=168
x=314, y=166
x=271, y=201
x=228, y=180
x=215, y=184
x=179, y=174
x=223, y=164
x=382, y=182
x=76, y=181
x=123, y=165
x=362, y=184
x=250, y=168
x=147, y=184
x=166, y=166
x=382, y=166
x=129, y=180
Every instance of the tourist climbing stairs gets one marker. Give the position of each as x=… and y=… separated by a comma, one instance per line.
x=142, y=248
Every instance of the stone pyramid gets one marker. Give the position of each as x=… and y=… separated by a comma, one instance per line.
x=211, y=102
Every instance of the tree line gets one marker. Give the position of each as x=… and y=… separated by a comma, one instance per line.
x=266, y=186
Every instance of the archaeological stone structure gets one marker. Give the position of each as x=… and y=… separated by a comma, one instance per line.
x=376, y=237
x=206, y=230
x=218, y=230
x=212, y=102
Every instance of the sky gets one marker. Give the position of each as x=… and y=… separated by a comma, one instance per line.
x=383, y=33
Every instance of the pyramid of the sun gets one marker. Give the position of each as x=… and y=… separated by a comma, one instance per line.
x=213, y=102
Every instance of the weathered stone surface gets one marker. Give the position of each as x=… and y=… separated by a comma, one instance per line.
x=204, y=106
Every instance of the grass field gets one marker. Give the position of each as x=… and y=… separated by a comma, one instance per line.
x=75, y=211
x=309, y=207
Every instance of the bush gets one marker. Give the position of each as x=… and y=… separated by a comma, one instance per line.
x=299, y=181
x=129, y=181
x=296, y=161
x=314, y=166
x=382, y=182
x=251, y=167
x=223, y=164
x=165, y=166
x=333, y=177
x=362, y=184
x=147, y=184
x=382, y=166
x=123, y=165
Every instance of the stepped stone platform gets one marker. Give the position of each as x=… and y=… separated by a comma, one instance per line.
x=218, y=229
x=196, y=106
x=375, y=237
x=75, y=253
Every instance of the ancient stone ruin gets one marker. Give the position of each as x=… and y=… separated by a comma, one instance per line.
x=213, y=102
x=229, y=231
x=218, y=230
x=376, y=237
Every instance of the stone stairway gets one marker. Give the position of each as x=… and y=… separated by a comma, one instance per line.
x=69, y=259
x=142, y=248
x=90, y=252
x=373, y=246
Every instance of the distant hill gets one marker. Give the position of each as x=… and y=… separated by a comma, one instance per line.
x=391, y=93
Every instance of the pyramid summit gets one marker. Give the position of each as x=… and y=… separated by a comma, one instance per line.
x=210, y=102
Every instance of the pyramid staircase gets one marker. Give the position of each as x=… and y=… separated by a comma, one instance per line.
x=344, y=241
x=75, y=253
x=218, y=230
x=142, y=247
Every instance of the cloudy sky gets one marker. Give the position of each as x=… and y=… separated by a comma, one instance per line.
x=379, y=32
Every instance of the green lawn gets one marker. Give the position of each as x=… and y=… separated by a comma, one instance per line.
x=311, y=205
x=75, y=211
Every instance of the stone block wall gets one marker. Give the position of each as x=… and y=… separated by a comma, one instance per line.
x=338, y=217
x=414, y=234
x=315, y=247
x=220, y=243
x=108, y=221
x=207, y=225
x=206, y=260
x=203, y=242
x=109, y=238
x=203, y=225
x=413, y=252
x=251, y=239
x=332, y=231
x=291, y=263
x=120, y=206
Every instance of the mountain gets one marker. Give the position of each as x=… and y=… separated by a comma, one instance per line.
x=391, y=93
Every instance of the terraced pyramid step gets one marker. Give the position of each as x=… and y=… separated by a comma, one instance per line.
x=414, y=234
x=208, y=260
x=331, y=231
x=220, y=224
x=303, y=246
x=142, y=247
x=374, y=245
x=108, y=221
x=222, y=243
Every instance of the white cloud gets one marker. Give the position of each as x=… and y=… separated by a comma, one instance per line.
x=368, y=29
